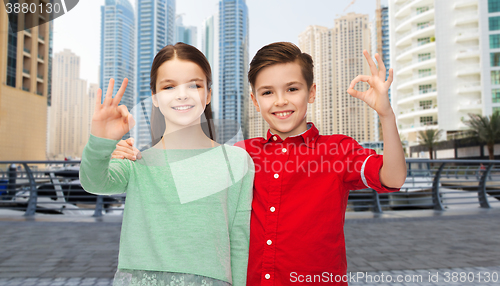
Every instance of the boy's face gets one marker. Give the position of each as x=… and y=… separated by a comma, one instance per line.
x=281, y=95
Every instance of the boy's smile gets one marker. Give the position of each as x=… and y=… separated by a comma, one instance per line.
x=281, y=96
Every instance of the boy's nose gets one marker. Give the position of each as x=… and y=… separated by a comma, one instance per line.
x=280, y=101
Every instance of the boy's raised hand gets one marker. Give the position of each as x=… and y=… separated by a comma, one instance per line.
x=110, y=120
x=125, y=150
x=377, y=96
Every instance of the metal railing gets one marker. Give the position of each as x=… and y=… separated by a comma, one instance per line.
x=439, y=185
x=53, y=187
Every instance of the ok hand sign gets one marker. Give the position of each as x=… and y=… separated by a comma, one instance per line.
x=110, y=120
x=377, y=96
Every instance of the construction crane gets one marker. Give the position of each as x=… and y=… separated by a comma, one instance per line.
x=353, y=1
x=378, y=20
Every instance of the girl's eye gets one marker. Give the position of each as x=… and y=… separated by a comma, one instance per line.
x=266, y=92
x=293, y=89
x=195, y=86
x=168, y=87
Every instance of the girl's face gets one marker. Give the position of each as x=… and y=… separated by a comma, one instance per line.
x=181, y=92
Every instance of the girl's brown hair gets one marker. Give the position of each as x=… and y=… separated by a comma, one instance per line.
x=185, y=52
x=281, y=53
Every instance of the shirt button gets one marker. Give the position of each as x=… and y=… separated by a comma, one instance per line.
x=272, y=209
x=268, y=276
x=276, y=176
x=284, y=150
x=269, y=242
x=275, y=138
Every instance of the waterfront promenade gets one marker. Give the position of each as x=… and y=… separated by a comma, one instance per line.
x=76, y=250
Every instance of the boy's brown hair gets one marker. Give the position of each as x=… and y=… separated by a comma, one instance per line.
x=281, y=53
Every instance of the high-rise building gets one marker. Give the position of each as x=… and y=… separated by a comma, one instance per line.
x=380, y=45
x=353, y=117
x=210, y=48
x=185, y=34
x=24, y=85
x=155, y=30
x=118, y=49
x=317, y=41
x=441, y=63
x=338, y=58
x=233, y=66
x=88, y=108
x=489, y=26
x=69, y=125
x=169, y=19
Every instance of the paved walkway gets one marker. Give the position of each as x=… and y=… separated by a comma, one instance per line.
x=416, y=246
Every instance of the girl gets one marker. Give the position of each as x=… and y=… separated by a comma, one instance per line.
x=187, y=212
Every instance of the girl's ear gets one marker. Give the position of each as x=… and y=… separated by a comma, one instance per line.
x=155, y=102
x=312, y=94
x=209, y=96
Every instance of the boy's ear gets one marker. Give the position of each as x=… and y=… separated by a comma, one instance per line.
x=254, y=100
x=155, y=102
x=312, y=94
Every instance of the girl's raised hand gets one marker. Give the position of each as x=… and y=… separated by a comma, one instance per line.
x=110, y=120
x=377, y=96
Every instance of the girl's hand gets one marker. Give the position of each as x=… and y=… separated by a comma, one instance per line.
x=377, y=96
x=110, y=120
x=125, y=149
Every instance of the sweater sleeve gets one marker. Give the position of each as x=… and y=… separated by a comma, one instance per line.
x=239, y=235
x=99, y=174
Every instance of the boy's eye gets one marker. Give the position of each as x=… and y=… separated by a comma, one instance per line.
x=194, y=86
x=168, y=87
x=293, y=89
x=266, y=92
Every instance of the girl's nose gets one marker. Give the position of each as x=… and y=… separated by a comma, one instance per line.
x=182, y=94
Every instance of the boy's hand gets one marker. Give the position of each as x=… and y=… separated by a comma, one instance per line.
x=110, y=120
x=125, y=149
x=377, y=96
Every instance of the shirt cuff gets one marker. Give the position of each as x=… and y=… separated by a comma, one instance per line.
x=370, y=174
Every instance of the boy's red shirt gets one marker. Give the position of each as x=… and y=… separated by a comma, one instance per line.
x=300, y=195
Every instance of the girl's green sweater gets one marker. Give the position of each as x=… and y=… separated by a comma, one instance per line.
x=190, y=215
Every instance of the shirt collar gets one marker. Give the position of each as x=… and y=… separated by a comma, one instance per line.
x=308, y=137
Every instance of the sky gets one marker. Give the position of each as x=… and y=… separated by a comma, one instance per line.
x=269, y=21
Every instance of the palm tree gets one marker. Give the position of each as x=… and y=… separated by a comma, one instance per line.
x=430, y=138
x=404, y=143
x=487, y=128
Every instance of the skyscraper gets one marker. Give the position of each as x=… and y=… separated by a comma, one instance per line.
x=233, y=66
x=490, y=43
x=69, y=125
x=380, y=45
x=210, y=48
x=317, y=41
x=351, y=35
x=155, y=30
x=338, y=59
x=118, y=48
x=24, y=85
x=443, y=53
x=185, y=34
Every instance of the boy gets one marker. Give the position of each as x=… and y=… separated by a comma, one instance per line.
x=303, y=179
